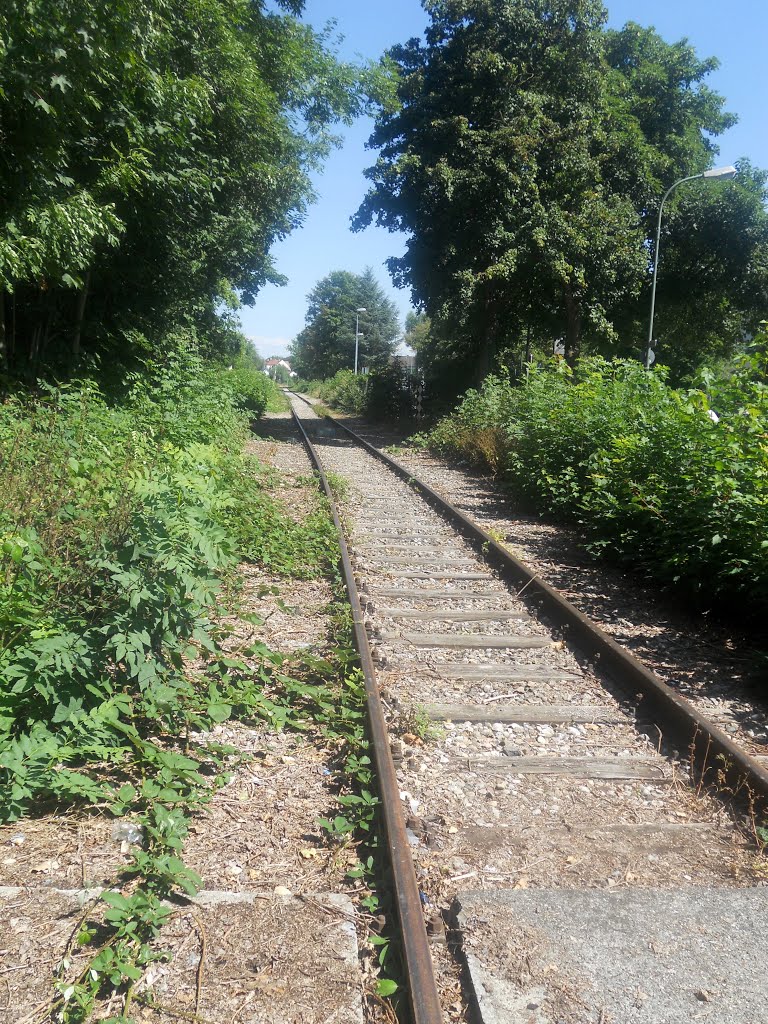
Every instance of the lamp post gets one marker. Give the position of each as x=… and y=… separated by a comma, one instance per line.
x=716, y=174
x=358, y=335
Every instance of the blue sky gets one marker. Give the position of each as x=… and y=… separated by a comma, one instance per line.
x=735, y=32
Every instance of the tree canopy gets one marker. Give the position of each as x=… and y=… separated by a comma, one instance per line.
x=525, y=159
x=153, y=152
x=327, y=343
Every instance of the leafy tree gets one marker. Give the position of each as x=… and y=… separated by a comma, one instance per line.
x=327, y=343
x=525, y=160
x=153, y=150
x=417, y=330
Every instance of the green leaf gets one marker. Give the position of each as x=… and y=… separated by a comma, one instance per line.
x=219, y=711
x=385, y=987
x=115, y=899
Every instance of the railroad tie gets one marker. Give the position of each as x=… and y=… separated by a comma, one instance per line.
x=539, y=714
x=436, y=595
x=503, y=673
x=453, y=615
x=469, y=641
x=619, y=769
x=416, y=559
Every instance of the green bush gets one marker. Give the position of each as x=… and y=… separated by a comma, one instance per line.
x=384, y=394
x=344, y=391
x=390, y=394
x=117, y=526
x=642, y=467
x=251, y=389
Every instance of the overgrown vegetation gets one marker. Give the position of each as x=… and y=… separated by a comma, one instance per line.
x=119, y=525
x=386, y=394
x=116, y=524
x=344, y=391
x=653, y=478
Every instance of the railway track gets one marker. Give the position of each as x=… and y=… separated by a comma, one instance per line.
x=537, y=782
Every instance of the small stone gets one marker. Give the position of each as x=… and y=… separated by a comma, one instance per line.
x=47, y=866
x=413, y=839
x=282, y=890
x=703, y=996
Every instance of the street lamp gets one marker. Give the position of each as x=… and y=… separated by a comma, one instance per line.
x=358, y=335
x=716, y=174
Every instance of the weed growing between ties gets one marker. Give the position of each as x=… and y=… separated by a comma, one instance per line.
x=118, y=527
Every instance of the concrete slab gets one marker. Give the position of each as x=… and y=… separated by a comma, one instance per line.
x=629, y=957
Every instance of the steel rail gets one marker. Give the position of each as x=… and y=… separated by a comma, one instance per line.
x=422, y=987
x=716, y=757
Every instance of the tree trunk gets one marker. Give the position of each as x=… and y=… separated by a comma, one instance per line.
x=487, y=345
x=3, y=336
x=81, y=300
x=46, y=335
x=12, y=341
x=573, y=326
x=34, y=348
x=484, y=359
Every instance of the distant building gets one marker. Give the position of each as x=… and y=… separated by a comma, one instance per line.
x=271, y=367
x=405, y=362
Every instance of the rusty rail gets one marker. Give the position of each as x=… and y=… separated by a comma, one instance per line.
x=714, y=754
x=424, y=998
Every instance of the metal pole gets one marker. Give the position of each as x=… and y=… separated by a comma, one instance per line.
x=357, y=337
x=647, y=354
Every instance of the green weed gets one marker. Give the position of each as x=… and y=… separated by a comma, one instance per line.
x=643, y=469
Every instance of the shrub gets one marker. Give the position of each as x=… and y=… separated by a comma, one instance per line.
x=251, y=389
x=390, y=394
x=344, y=391
x=117, y=526
x=653, y=480
x=477, y=429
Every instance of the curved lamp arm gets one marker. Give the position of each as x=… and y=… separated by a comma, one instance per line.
x=717, y=174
